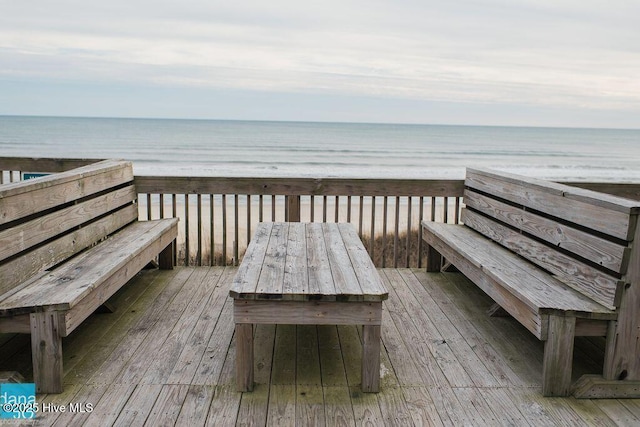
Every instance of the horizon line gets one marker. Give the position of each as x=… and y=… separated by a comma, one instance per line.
x=315, y=122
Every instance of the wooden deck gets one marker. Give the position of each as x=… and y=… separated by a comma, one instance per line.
x=166, y=357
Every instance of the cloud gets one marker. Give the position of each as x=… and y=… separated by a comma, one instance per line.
x=556, y=53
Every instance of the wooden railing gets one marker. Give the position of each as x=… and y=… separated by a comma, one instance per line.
x=218, y=214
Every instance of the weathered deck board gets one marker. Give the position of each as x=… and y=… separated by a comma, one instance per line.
x=414, y=339
x=193, y=349
x=307, y=356
x=196, y=405
x=127, y=363
x=169, y=350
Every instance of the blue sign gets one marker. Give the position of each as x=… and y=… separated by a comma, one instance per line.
x=18, y=401
x=32, y=175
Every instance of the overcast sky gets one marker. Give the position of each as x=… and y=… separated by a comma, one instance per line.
x=493, y=62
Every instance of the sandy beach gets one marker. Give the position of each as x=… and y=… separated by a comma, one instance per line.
x=236, y=221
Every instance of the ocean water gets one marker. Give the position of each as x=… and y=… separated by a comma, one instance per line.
x=254, y=148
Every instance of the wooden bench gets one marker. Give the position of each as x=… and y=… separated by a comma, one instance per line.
x=561, y=260
x=68, y=242
x=307, y=274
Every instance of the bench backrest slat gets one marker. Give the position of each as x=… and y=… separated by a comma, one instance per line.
x=593, y=283
x=603, y=213
x=25, y=198
x=582, y=237
x=42, y=228
x=609, y=254
x=47, y=220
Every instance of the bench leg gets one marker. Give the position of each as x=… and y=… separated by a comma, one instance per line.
x=621, y=361
x=46, y=352
x=371, y=358
x=609, y=371
x=165, y=259
x=244, y=356
x=558, y=356
x=434, y=260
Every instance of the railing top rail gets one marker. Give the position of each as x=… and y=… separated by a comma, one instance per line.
x=50, y=165
x=301, y=186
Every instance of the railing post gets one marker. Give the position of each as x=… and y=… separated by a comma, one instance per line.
x=293, y=209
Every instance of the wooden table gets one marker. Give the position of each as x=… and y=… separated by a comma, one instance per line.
x=307, y=274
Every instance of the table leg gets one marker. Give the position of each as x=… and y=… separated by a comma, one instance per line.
x=371, y=359
x=244, y=356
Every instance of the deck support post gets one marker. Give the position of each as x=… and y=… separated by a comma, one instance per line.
x=558, y=356
x=46, y=351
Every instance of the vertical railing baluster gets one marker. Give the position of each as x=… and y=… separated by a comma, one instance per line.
x=224, y=229
x=445, y=210
x=199, y=254
x=360, y=215
x=174, y=206
x=420, y=218
x=186, y=230
x=174, y=213
x=408, y=243
x=433, y=208
x=248, y=219
x=373, y=225
x=324, y=208
x=212, y=256
x=273, y=208
x=385, y=218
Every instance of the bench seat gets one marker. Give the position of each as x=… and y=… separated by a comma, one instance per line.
x=86, y=281
x=528, y=293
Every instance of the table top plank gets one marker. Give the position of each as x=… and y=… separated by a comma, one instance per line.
x=321, y=284
x=296, y=277
x=271, y=278
x=344, y=276
x=369, y=280
x=246, y=278
x=307, y=261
